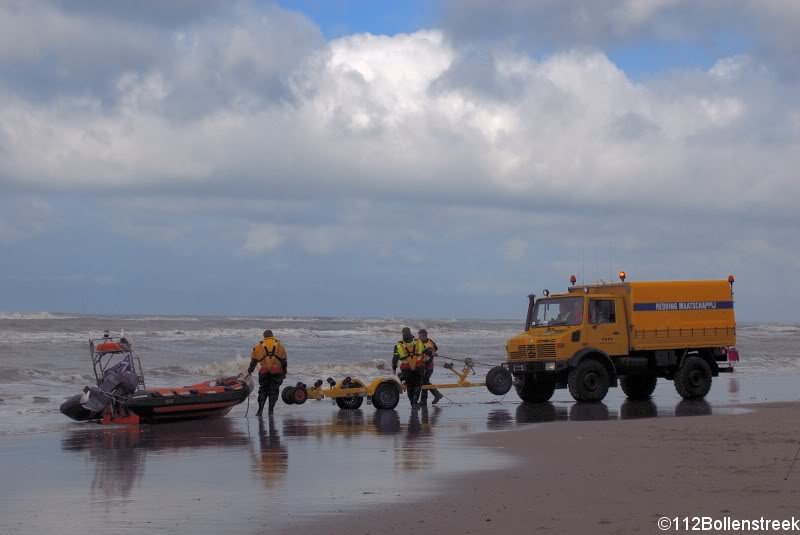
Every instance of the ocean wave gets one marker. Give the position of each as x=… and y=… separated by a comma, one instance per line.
x=27, y=375
x=158, y=318
x=317, y=370
x=361, y=330
x=34, y=316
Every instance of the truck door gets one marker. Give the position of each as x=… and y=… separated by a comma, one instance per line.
x=607, y=326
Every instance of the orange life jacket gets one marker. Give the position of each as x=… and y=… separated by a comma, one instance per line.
x=271, y=357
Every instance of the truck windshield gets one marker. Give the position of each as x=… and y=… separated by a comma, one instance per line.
x=558, y=311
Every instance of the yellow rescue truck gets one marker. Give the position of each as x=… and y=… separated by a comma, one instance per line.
x=628, y=333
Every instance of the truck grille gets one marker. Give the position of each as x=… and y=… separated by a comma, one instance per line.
x=534, y=351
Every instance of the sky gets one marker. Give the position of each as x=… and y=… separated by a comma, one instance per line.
x=412, y=159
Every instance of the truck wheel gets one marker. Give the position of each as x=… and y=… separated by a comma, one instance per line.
x=638, y=386
x=287, y=395
x=589, y=381
x=499, y=381
x=386, y=396
x=536, y=390
x=693, y=380
x=351, y=403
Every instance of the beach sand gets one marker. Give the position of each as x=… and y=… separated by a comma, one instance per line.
x=609, y=477
x=470, y=467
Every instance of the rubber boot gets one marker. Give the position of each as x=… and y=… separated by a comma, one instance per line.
x=272, y=401
x=261, y=403
x=436, y=397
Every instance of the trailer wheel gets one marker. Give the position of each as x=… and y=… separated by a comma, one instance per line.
x=693, y=380
x=386, y=396
x=536, y=390
x=287, y=395
x=349, y=403
x=589, y=381
x=638, y=386
x=299, y=396
x=499, y=381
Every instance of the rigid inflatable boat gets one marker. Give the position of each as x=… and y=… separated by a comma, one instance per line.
x=121, y=395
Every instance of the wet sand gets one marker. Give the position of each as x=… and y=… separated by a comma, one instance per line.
x=610, y=477
x=315, y=469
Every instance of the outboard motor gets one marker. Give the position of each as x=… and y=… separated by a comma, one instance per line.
x=119, y=380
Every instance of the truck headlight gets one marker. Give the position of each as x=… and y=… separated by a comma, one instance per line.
x=550, y=366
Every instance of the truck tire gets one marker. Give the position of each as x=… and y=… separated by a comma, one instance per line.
x=589, y=381
x=499, y=381
x=536, y=390
x=350, y=403
x=693, y=380
x=386, y=396
x=638, y=386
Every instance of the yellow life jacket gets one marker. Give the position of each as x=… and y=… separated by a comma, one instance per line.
x=410, y=354
x=270, y=354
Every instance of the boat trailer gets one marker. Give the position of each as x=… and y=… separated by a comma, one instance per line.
x=384, y=392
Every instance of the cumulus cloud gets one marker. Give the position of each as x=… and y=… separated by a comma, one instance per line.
x=378, y=117
x=243, y=130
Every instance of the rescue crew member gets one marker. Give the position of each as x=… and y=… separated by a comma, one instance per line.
x=408, y=352
x=570, y=313
x=272, y=356
x=430, y=353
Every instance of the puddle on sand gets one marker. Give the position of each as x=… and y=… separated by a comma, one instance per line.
x=173, y=478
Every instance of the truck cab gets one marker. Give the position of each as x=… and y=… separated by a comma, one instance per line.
x=587, y=340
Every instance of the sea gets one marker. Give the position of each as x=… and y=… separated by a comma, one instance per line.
x=44, y=357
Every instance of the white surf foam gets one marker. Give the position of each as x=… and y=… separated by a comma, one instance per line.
x=34, y=316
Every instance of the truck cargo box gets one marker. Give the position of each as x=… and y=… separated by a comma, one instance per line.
x=680, y=314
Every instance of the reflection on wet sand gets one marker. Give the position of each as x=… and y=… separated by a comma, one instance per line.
x=299, y=462
x=271, y=460
x=119, y=453
x=415, y=452
x=531, y=413
x=411, y=453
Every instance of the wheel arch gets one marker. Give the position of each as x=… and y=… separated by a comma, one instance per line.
x=379, y=381
x=704, y=353
x=591, y=353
